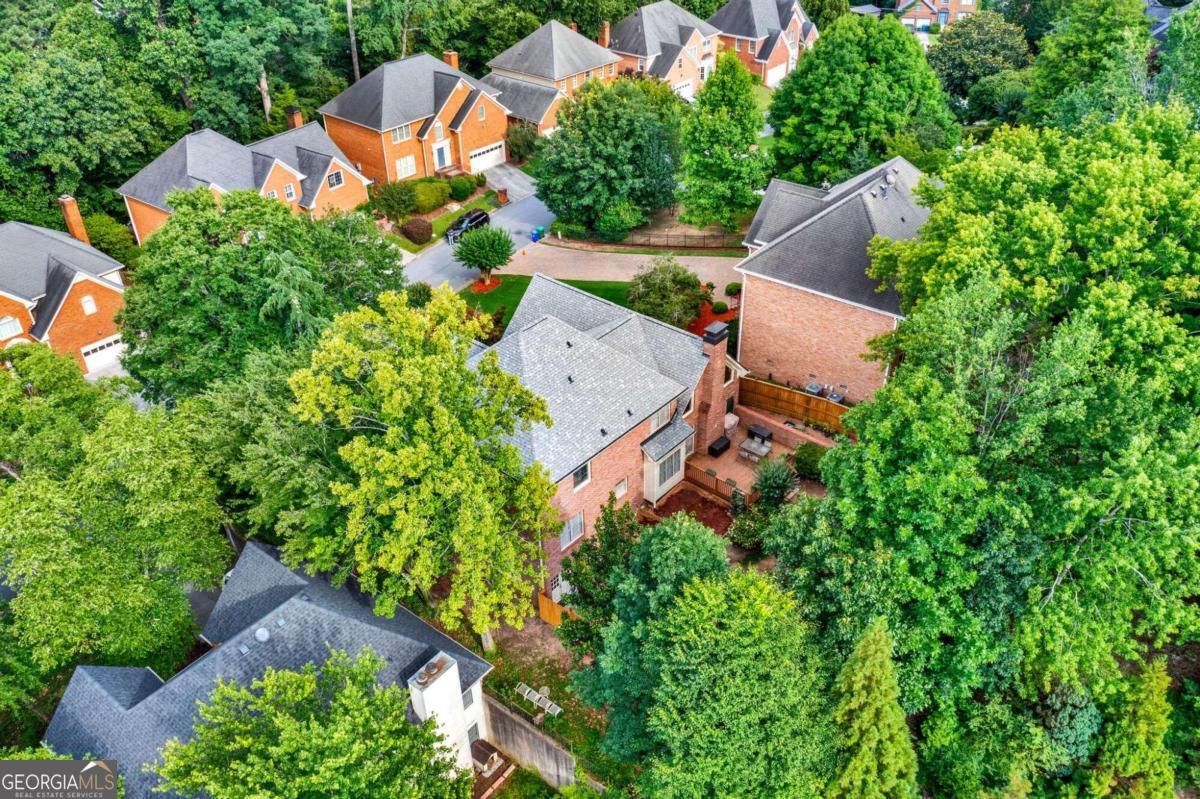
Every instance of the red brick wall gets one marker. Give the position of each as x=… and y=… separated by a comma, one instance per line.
x=366, y=147
x=73, y=329
x=550, y=120
x=276, y=180
x=622, y=459
x=476, y=134
x=744, y=55
x=787, y=334
x=347, y=197
x=145, y=218
x=711, y=392
x=17, y=310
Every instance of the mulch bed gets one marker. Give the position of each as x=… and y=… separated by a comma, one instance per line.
x=705, y=510
x=707, y=317
x=479, y=287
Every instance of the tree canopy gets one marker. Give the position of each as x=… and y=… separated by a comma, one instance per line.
x=667, y=290
x=864, y=80
x=973, y=48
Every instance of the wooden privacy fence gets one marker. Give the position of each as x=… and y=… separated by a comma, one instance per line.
x=551, y=612
x=792, y=402
x=716, y=485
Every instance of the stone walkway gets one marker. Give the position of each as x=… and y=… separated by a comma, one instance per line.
x=571, y=264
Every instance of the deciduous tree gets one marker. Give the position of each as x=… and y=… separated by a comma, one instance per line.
x=1133, y=759
x=485, y=249
x=330, y=730
x=667, y=290
x=825, y=12
x=980, y=45
x=1180, y=76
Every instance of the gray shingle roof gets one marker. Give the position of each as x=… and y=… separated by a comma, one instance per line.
x=553, y=52
x=525, y=100
x=127, y=714
x=668, y=437
x=651, y=27
x=753, y=19
x=399, y=92
x=206, y=158
x=660, y=67
x=825, y=249
x=622, y=367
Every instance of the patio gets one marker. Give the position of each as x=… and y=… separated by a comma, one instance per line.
x=729, y=465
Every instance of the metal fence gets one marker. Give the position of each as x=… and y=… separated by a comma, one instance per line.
x=696, y=241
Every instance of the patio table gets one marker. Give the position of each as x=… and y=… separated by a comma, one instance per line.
x=754, y=449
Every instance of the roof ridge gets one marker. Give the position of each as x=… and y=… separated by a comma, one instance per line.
x=622, y=308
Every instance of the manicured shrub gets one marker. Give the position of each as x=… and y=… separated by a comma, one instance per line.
x=481, y=180
x=568, y=230
x=430, y=195
x=720, y=307
x=462, y=187
x=521, y=139
x=733, y=289
x=807, y=460
x=417, y=230
x=112, y=238
x=666, y=290
x=419, y=295
x=748, y=527
x=486, y=249
x=394, y=200
x=773, y=479
x=617, y=220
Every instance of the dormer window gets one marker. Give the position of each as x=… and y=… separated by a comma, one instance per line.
x=660, y=417
x=89, y=305
x=10, y=327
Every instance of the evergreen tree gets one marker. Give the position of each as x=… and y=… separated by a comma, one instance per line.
x=1134, y=760
x=825, y=12
x=878, y=761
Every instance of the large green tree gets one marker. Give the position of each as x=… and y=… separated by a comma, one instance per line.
x=436, y=488
x=825, y=12
x=329, y=731
x=665, y=558
x=738, y=707
x=1180, y=77
x=876, y=755
x=222, y=279
x=610, y=150
x=1133, y=760
x=1036, y=17
x=983, y=44
x=722, y=165
x=865, y=80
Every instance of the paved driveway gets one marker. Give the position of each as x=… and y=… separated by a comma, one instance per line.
x=509, y=177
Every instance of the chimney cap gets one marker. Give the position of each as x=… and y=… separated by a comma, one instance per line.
x=716, y=332
x=292, y=109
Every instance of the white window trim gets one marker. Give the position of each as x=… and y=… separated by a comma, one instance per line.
x=272, y=195
x=587, y=480
x=88, y=303
x=439, y=131
x=481, y=113
x=341, y=178
x=401, y=134
x=666, y=414
x=563, y=546
x=10, y=320
x=621, y=488
x=289, y=191
x=401, y=173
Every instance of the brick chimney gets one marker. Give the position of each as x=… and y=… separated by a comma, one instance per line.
x=295, y=117
x=605, y=37
x=575, y=27
x=711, y=392
x=451, y=58
x=70, y=212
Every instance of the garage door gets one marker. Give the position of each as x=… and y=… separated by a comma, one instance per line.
x=684, y=89
x=485, y=157
x=776, y=74
x=103, y=354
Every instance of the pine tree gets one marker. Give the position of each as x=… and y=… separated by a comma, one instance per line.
x=878, y=761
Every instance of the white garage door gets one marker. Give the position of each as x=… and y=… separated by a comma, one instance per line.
x=776, y=74
x=488, y=156
x=684, y=89
x=103, y=354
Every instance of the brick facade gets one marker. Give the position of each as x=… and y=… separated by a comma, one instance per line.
x=684, y=69
x=787, y=334
x=277, y=180
x=146, y=218
x=73, y=330
x=351, y=194
x=922, y=13
x=19, y=311
x=371, y=152
x=712, y=393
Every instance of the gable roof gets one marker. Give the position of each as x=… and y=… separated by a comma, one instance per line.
x=553, y=52
x=601, y=368
x=817, y=239
x=755, y=19
x=399, y=92
x=525, y=99
x=38, y=265
x=207, y=158
x=650, y=28
x=127, y=714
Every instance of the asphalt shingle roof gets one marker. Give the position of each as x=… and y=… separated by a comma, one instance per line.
x=553, y=52
x=33, y=260
x=753, y=19
x=306, y=149
x=525, y=100
x=825, y=249
x=601, y=368
x=399, y=92
x=127, y=714
x=650, y=28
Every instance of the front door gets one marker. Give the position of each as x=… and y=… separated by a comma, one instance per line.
x=441, y=155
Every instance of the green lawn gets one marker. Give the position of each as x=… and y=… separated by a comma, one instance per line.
x=442, y=223
x=762, y=97
x=525, y=784
x=512, y=288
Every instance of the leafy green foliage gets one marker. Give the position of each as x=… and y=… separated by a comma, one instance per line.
x=1180, y=76
x=417, y=230
x=1036, y=17
x=521, y=138
x=590, y=569
x=430, y=195
x=1000, y=97
x=1072, y=722
x=611, y=147
x=722, y=165
x=485, y=248
x=622, y=679
x=825, y=12
x=980, y=45
x=395, y=200
x=617, y=220
x=112, y=238
x=738, y=708
x=666, y=290
x=433, y=487
x=333, y=731
x=1133, y=760
x=807, y=460
x=217, y=282
x=461, y=187
x=863, y=80
x=877, y=757
x=773, y=479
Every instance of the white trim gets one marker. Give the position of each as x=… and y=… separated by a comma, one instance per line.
x=345, y=167
x=810, y=291
x=575, y=486
x=79, y=278
x=29, y=305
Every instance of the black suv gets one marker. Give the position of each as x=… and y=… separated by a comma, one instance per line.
x=468, y=221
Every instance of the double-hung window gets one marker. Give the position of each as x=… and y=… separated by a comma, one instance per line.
x=668, y=467
x=572, y=531
x=660, y=417
x=335, y=179
x=289, y=191
x=582, y=476
x=402, y=133
x=406, y=167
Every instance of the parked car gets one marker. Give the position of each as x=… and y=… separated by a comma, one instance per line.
x=468, y=221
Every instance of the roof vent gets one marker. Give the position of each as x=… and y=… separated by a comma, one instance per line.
x=245, y=650
x=570, y=379
x=628, y=412
x=891, y=178
x=874, y=193
x=603, y=432
x=568, y=344
x=306, y=597
x=262, y=635
x=281, y=622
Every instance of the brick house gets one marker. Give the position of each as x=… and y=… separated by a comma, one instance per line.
x=767, y=35
x=919, y=15
x=300, y=167
x=418, y=117
x=269, y=617
x=808, y=307
x=536, y=74
x=56, y=289
x=631, y=399
x=664, y=40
